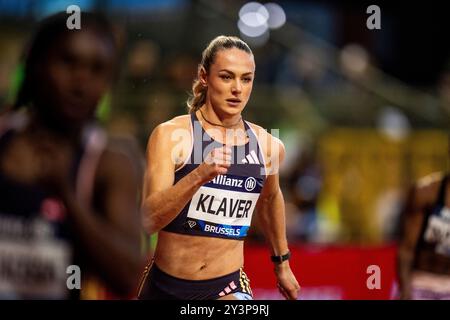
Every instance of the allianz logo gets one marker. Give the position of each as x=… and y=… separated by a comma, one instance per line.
x=249, y=183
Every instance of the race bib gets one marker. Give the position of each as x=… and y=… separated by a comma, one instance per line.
x=224, y=206
x=32, y=263
x=438, y=231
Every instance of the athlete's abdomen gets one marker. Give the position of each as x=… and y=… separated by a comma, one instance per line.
x=197, y=257
x=428, y=260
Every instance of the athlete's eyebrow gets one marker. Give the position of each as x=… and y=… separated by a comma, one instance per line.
x=231, y=72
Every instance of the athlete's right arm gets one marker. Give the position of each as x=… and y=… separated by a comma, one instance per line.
x=162, y=199
x=418, y=199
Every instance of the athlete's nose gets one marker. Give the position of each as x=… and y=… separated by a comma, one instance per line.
x=237, y=87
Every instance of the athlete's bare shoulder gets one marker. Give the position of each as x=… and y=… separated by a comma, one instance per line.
x=179, y=122
x=263, y=134
x=171, y=138
x=430, y=181
x=427, y=188
x=164, y=132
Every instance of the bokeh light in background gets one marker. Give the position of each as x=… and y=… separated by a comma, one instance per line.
x=393, y=124
x=354, y=59
x=256, y=20
x=277, y=17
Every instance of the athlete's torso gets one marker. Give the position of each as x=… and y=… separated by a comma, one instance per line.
x=205, y=239
x=36, y=241
x=433, y=248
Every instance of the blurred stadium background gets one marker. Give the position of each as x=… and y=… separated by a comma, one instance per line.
x=363, y=113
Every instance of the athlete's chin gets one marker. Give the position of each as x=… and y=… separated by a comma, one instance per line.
x=231, y=110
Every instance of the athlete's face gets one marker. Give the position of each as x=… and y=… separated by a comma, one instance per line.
x=229, y=80
x=76, y=73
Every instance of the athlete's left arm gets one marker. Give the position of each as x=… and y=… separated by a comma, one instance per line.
x=271, y=217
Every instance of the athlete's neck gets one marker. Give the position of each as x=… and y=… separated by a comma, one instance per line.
x=54, y=130
x=218, y=119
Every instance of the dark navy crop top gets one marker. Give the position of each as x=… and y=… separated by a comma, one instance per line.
x=222, y=207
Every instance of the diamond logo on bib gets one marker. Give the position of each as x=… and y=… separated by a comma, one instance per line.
x=191, y=223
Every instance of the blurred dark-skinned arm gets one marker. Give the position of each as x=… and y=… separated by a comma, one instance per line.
x=419, y=197
x=110, y=240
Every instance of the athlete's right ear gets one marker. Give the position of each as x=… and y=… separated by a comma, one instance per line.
x=202, y=76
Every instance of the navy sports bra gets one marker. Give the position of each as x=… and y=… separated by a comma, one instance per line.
x=222, y=207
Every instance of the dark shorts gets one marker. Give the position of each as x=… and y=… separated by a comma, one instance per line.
x=158, y=285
